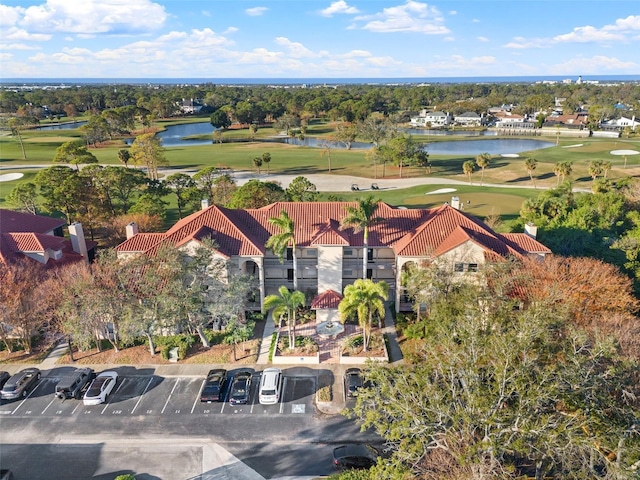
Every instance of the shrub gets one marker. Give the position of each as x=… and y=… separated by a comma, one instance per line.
x=183, y=342
x=325, y=394
x=272, y=348
x=127, y=476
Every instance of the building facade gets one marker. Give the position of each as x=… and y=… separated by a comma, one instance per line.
x=329, y=256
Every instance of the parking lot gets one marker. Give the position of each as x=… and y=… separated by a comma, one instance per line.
x=149, y=395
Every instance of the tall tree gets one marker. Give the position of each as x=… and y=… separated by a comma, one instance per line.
x=266, y=159
x=364, y=299
x=482, y=161
x=530, y=164
x=74, y=153
x=361, y=218
x=285, y=304
x=302, y=190
x=147, y=150
x=184, y=188
x=25, y=197
x=468, y=168
x=279, y=243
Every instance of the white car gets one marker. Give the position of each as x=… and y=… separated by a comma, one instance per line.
x=100, y=388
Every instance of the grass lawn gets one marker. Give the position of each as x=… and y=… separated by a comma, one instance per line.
x=40, y=148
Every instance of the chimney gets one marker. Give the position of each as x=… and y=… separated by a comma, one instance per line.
x=531, y=230
x=77, y=239
x=204, y=204
x=455, y=202
x=132, y=230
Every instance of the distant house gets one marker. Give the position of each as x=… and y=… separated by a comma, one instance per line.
x=574, y=120
x=190, y=106
x=512, y=121
x=432, y=119
x=42, y=239
x=620, y=124
x=469, y=119
x=330, y=257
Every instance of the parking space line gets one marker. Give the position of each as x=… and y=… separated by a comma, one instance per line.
x=284, y=389
x=169, y=397
x=106, y=404
x=141, y=395
x=45, y=409
x=24, y=400
x=74, y=410
x=198, y=396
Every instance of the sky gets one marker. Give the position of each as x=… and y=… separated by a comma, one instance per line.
x=317, y=39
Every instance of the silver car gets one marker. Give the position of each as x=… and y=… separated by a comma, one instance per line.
x=20, y=384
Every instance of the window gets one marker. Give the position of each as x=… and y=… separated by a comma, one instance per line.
x=465, y=267
x=369, y=273
x=370, y=255
x=290, y=274
x=289, y=253
x=312, y=252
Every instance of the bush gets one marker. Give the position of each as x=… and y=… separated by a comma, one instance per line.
x=183, y=342
x=325, y=394
x=272, y=348
x=127, y=476
x=305, y=344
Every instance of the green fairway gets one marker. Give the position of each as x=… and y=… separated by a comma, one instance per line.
x=40, y=147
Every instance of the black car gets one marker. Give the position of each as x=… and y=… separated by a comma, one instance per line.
x=352, y=381
x=212, y=388
x=354, y=456
x=240, y=388
x=4, y=376
x=20, y=384
x=72, y=384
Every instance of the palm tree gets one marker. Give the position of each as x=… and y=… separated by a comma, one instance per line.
x=285, y=304
x=482, y=161
x=257, y=161
x=364, y=298
x=280, y=242
x=562, y=169
x=530, y=164
x=468, y=167
x=362, y=218
x=595, y=169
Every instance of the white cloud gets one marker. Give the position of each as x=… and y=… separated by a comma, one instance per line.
x=632, y=22
x=295, y=49
x=9, y=16
x=410, y=17
x=17, y=46
x=256, y=11
x=519, y=43
x=339, y=7
x=595, y=65
x=94, y=16
x=589, y=34
x=482, y=39
x=20, y=34
x=230, y=30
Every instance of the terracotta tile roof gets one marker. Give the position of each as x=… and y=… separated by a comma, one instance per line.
x=327, y=299
x=140, y=242
x=410, y=232
x=32, y=242
x=330, y=234
x=525, y=242
x=11, y=221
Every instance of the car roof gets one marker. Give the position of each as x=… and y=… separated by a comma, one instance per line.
x=217, y=371
x=354, y=450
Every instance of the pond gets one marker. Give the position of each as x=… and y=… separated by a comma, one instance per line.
x=174, y=136
x=496, y=146
x=62, y=126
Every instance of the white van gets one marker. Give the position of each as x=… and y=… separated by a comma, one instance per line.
x=270, y=386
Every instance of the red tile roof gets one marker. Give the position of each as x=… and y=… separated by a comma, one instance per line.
x=11, y=221
x=327, y=299
x=32, y=242
x=410, y=232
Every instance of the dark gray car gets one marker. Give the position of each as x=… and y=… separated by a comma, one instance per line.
x=20, y=384
x=72, y=384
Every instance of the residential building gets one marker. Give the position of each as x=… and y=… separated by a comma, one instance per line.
x=432, y=119
x=42, y=239
x=329, y=256
x=469, y=119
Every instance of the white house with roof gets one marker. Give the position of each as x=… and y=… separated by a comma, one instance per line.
x=468, y=119
x=432, y=119
x=329, y=256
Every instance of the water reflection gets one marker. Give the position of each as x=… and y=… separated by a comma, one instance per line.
x=62, y=126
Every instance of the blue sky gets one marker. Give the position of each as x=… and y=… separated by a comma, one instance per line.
x=317, y=39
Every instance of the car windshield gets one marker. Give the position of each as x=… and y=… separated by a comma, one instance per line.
x=96, y=386
x=239, y=392
x=268, y=392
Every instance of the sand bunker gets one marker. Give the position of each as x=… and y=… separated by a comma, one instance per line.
x=624, y=152
x=509, y=155
x=442, y=190
x=7, y=177
x=574, y=146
